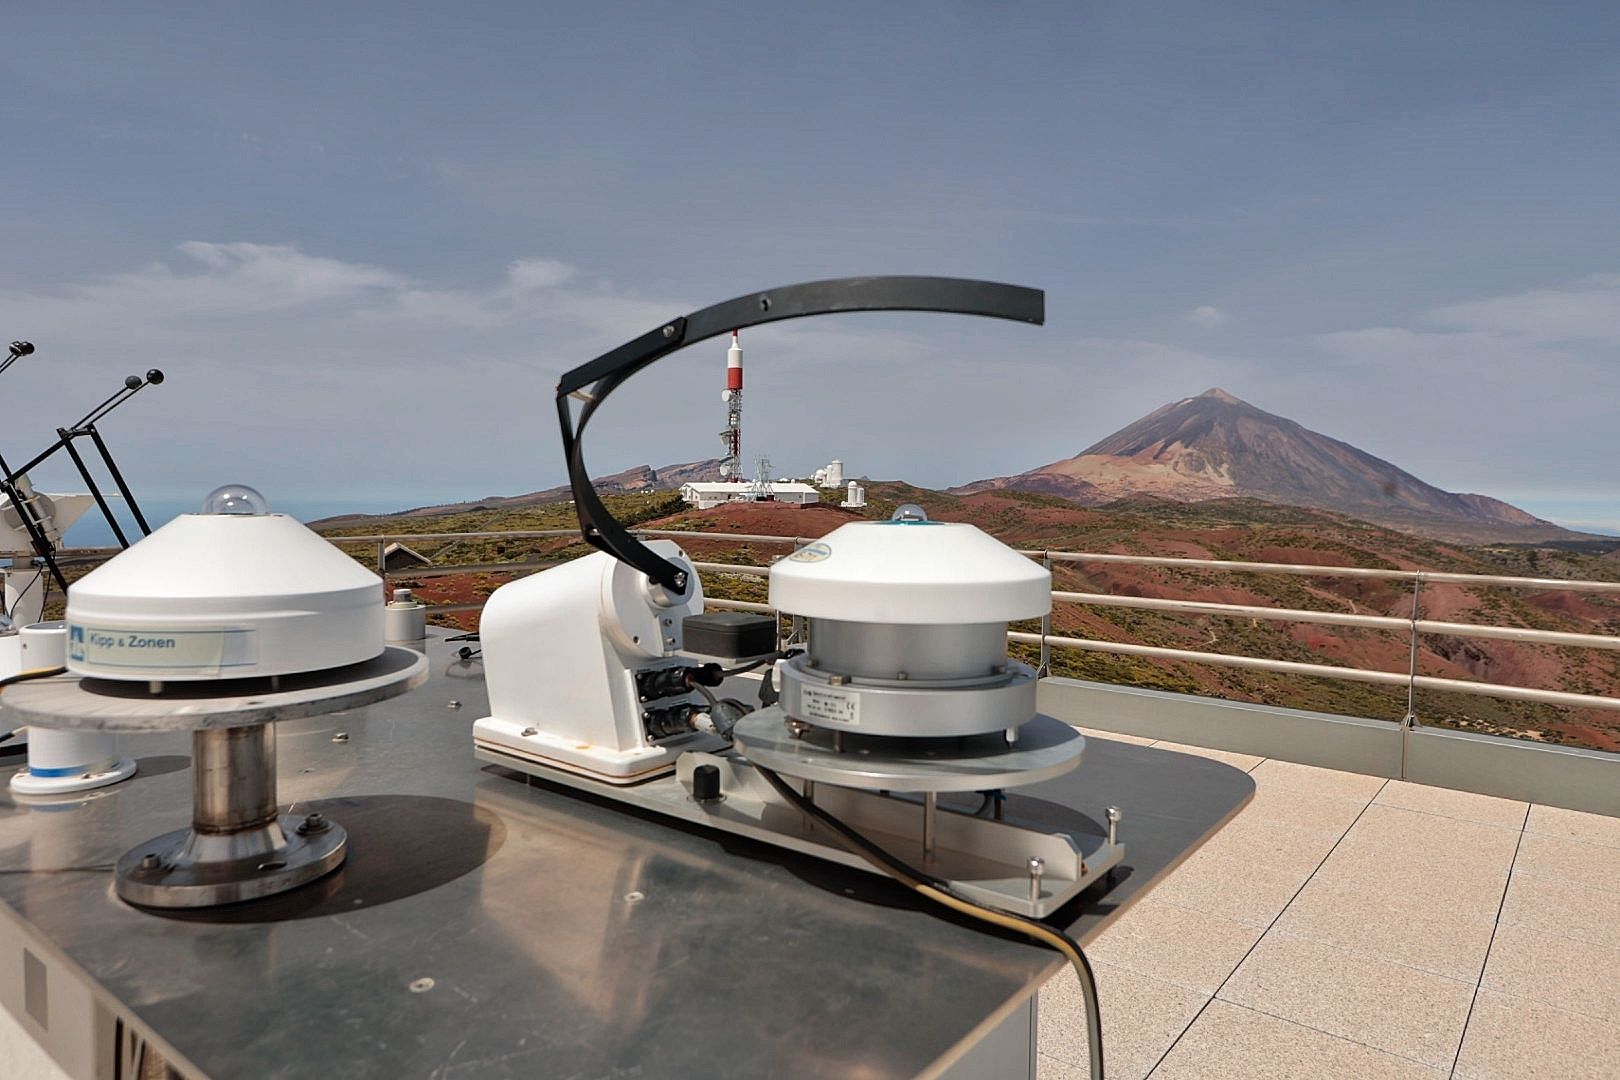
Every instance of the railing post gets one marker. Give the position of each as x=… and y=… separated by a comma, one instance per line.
x=1410, y=721
x=1045, y=667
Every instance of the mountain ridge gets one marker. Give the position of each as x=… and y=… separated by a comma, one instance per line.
x=1216, y=445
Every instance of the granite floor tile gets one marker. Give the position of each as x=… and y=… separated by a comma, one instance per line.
x=1389, y=1006
x=1299, y=808
x=1228, y=1042
x=1512, y=1039
x=1179, y=945
x=1048, y=1067
x=1279, y=844
x=1469, y=891
x=1465, y=805
x=1232, y=886
x=1141, y=1018
x=1591, y=866
x=1574, y=825
x=1409, y=834
x=1554, y=906
x=1274, y=773
x=1559, y=971
x=1402, y=928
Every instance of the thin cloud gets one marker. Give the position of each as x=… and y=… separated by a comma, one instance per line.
x=1587, y=310
x=1207, y=316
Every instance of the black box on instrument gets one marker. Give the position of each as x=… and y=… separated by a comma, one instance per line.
x=729, y=634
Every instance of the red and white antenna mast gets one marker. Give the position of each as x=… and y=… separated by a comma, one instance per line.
x=731, y=438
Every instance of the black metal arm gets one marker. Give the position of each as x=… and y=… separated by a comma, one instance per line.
x=10, y=478
x=604, y=374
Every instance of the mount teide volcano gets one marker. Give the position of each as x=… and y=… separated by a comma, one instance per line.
x=1216, y=446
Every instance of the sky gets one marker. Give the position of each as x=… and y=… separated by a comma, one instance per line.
x=362, y=241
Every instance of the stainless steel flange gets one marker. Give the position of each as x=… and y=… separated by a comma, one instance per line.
x=238, y=846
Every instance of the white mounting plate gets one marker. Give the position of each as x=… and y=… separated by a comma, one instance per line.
x=71, y=703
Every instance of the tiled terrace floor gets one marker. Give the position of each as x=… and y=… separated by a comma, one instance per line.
x=1347, y=926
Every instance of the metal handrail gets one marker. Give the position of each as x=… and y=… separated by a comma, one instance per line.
x=1413, y=625
x=1315, y=570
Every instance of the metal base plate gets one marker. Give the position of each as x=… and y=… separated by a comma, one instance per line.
x=1045, y=748
x=984, y=859
x=71, y=703
x=168, y=872
x=26, y=783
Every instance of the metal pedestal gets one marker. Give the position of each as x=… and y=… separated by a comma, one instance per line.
x=238, y=847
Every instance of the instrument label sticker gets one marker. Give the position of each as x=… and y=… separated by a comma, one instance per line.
x=148, y=649
x=835, y=706
x=817, y=552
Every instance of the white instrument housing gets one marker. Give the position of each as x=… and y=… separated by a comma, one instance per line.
x=908, y=629
x=224, y=596
x=561, y=653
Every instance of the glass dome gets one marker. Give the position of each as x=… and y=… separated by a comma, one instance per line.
x=235, y=499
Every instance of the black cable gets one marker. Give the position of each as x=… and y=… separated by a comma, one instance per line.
x=768, y=658
x=941, y=892
x=25, y=676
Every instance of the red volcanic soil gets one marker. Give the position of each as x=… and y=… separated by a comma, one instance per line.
x=762, y=519
x=1574, y=606
x=1321, y=541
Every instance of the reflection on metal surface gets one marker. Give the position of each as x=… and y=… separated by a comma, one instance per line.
x=402, y=846
x=511, y=896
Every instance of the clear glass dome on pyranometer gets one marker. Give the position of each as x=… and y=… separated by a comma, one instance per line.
x=236, y=499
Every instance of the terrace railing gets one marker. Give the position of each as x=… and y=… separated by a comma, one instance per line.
x=1414, y=627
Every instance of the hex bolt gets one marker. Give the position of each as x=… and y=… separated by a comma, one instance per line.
x=342, y=736
x=1037, y=868
x=532, y=731
x=314, y=823
x=150, y=862
x=1113, y=824
x=453, y=705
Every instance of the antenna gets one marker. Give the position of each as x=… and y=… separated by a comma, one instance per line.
x=731, y=438
x=762, y=488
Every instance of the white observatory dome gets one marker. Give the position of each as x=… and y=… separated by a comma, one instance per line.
x=232, y=592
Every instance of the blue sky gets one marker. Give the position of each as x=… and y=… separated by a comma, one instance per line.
x=363, y=241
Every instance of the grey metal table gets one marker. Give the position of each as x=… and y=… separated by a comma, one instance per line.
x=487, y=924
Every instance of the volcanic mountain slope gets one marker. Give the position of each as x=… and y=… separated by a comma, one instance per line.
x=638, y=478
x=1217, y=446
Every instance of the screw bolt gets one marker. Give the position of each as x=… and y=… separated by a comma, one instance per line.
x=342, y=736
x=1037, y=868
x=454, y=705
x=1113, y=817
x=150, y=862
x=314, y=823
x=530, y=731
